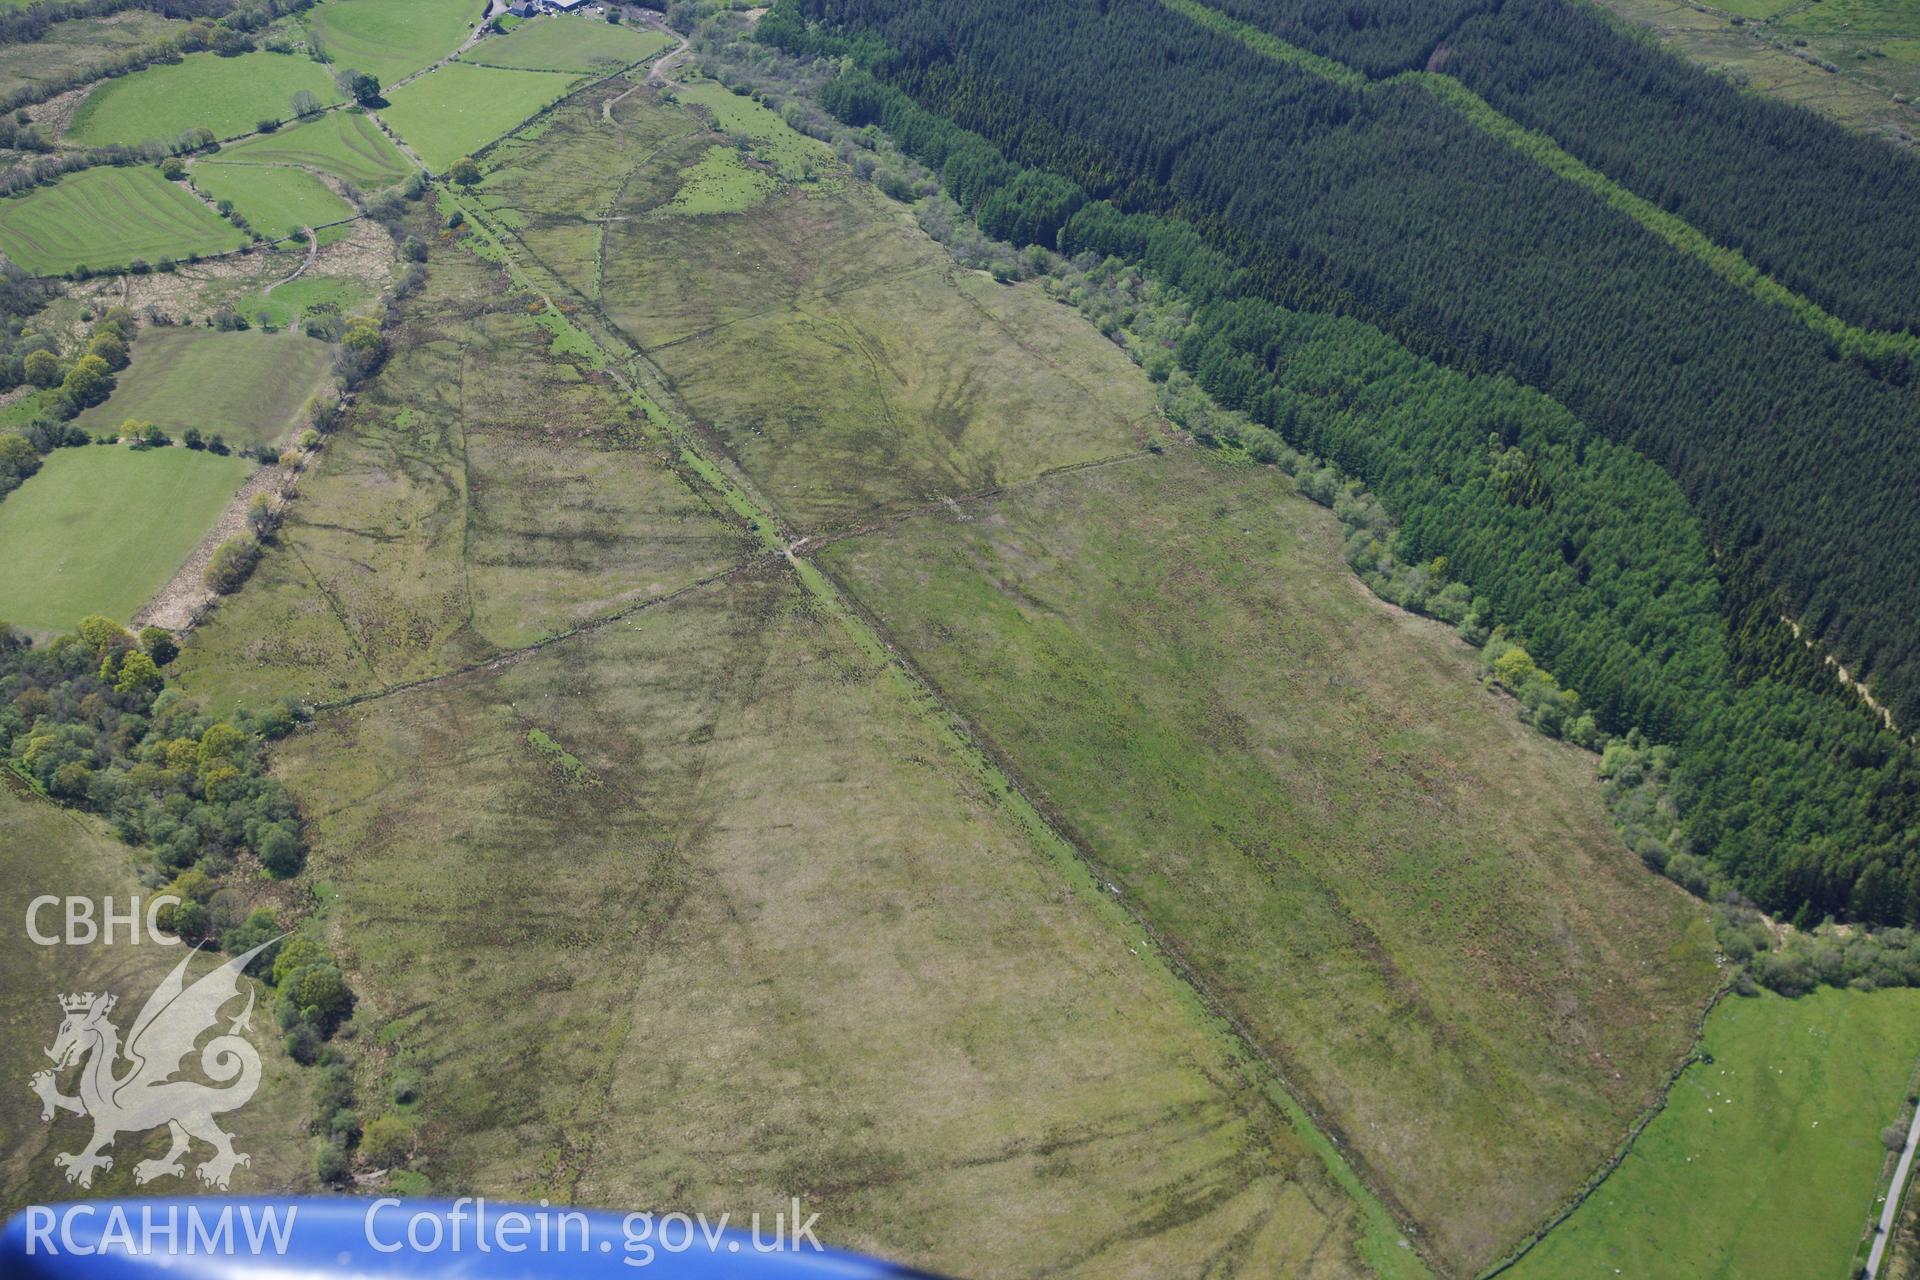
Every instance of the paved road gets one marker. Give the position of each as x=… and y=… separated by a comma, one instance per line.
x=1884, y=1232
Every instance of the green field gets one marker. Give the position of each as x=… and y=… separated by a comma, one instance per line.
x=391, y=38
x=201, y=91
x=457, y=109
x=276, y=201
x=568, y=42
x=45, y=849
x=773, y=140
x=107, y=217
x=100, y=528
x=1767, y=1159
x=346, y=144
x=721, y=182
x=288, y=302
x=248, y=386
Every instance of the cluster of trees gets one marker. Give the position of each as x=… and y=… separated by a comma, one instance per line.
x=87, y=719
x=1634, y=626
x=1387, y=206
x=77, y=381
x=1773, y=180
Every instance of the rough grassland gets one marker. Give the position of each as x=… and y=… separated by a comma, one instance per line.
x=100, y=528
x=792, y=153
x=107, y=217
x=1413, y=902
x=78, y=44
x=720, y=182
x=250, y=386
x=484, y=496
x=568, y=42
x=766, y=941
x=1765, y=1164
x=275, y=201
x=391, y=38
x=48, y=850
x=201, y=91
x=557, y=181
x=459, y=108
x=346, y=144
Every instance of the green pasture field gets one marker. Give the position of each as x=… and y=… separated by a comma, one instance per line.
x=457, y=109
x=100, y=528
x=275, y=200
x=346, y=144
x=568, y=42
x=289, y=302
x=79, y=44
x=105, y=218
x=45, y=849
x=720, y=182
x=773, y=140
x=202, y=90
x=746, y=929
x=505, y=495
x=1410, y=899
x=391, y=38
x=248, y=386
x=1766, y=1161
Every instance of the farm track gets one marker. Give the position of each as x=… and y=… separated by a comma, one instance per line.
x=648, y=385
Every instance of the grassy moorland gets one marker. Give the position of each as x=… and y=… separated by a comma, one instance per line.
x=557, y=182
x=100, y=528
x=78, y=44
x=276, y=201
x=108, y=217
x=505, y=497
x=1411, y=901
x=459, y=108
x=346, y=144
x=750, y=932
x=1792, y=1095
x=793, y=154
x=230, y=96
x=387, y=39
x=48, y=850
x=567, y=42
x=249, y=387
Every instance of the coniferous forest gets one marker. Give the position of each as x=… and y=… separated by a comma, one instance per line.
x=1641, y=471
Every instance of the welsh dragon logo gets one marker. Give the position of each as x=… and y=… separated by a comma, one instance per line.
x=145, y=1095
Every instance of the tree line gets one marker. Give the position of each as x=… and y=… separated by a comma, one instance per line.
x=1387, y=206
x=1577, y=544
x=1819, y=207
